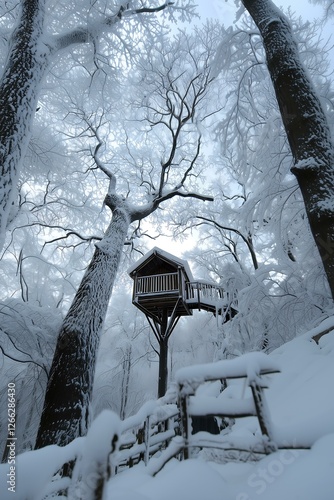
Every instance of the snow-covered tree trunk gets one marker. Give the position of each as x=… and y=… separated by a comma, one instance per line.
x=305, y=124
x=70, y=384
x=24, y=69
x=30, y=51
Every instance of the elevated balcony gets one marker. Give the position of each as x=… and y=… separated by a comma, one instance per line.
x=164, y=290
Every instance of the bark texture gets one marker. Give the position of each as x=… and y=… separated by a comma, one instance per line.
x=66, y=407
x=305, y=124
x=19, y=85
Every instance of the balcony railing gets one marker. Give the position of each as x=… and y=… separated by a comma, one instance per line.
x=158, y=283
x=193, y=292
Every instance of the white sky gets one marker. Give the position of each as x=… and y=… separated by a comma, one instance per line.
x=225, y=9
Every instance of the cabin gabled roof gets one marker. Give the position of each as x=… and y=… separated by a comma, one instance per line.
x=156, y=256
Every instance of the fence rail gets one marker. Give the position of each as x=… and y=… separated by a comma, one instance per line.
x=142, y=442
x=166, y=425
x=253, y=367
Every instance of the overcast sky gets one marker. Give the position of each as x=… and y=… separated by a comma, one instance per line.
x=225, y=9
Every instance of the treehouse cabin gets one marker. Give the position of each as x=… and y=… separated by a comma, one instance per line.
x=163, y=282
x=164, y=290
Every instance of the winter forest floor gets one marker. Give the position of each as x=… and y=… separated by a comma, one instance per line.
x=301, y=403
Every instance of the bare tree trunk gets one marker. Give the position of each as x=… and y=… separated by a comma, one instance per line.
x=66, y=406
x=305, y=124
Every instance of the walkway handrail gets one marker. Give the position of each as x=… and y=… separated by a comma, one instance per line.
x=202, y=292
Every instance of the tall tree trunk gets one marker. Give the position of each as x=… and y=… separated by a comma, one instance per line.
x=66, y=406
x=305, y=124
x=26, y=64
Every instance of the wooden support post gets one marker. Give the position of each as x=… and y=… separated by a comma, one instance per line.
x=147, y=429
x=163, y=356
x=262, y=415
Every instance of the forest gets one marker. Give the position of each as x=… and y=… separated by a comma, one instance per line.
x=131, y=126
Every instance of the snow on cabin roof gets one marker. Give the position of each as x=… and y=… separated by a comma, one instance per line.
x=164, y=256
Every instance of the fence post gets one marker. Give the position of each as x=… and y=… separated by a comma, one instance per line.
x=185, y=391
x=263, y=416
x=147, y=428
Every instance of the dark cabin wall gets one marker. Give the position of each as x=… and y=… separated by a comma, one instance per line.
x=157, y=266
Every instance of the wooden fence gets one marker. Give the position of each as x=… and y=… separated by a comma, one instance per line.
x=192, y=405
x=165, y=426
x=154, y=434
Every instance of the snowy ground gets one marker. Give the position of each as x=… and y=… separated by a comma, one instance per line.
x=301, y=402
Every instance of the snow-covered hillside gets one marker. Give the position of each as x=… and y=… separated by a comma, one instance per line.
x=301, y=402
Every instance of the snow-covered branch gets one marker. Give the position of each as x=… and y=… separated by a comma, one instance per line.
x=10, y=356
x=139, y=213
x=101, y=165
x=244, y=238
x=89, y=32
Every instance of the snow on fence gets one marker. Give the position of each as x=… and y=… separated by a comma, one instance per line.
x=194, y=403
x=251, y=367
x=153, y=434
x=112, y=445
x=166, y=427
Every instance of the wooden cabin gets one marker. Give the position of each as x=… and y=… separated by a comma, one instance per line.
x=163, y=282
x=164, y=290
